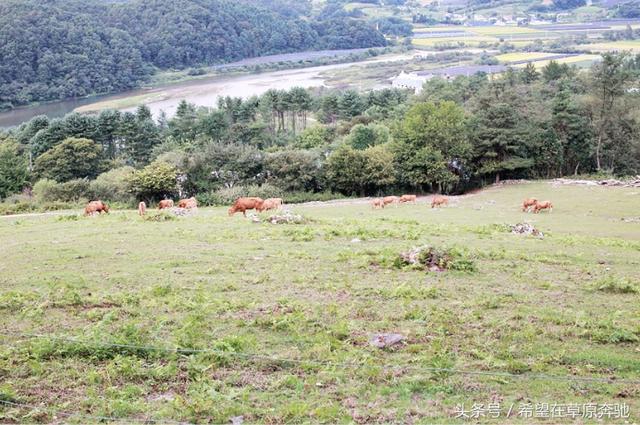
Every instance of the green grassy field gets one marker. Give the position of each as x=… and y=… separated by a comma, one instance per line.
x=274, y=320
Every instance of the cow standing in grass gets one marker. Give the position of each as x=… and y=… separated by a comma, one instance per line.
x=190, y=203
x=391, y=200
x=528, y=203
x=439, y=201
x=165, y=203
x=270, y=204
x=142, y=209
x=408, y=198
x=96, y=207
x=544, y=205
x=244, y=204
x=377, y=203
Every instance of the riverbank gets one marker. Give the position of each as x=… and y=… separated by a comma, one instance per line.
x=148, y=92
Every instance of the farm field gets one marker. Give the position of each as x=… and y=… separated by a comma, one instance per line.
x=578, y=60
x=273, y=321
x=633, y=45
x=468, y=41
x=522, y=56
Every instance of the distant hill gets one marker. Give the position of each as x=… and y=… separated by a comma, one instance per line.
x=68, y=48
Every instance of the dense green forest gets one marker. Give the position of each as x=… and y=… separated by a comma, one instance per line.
x=69, y=48
x=304, y=144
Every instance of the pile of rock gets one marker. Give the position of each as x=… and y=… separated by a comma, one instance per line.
x=631, y=219
x=525, y=229
x=180, y=212
x=286, y=217
x=385, y=340
x=428, y=257
x=632, y=182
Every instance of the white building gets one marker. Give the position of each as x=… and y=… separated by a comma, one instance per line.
x=415, y=80
x=410, y=80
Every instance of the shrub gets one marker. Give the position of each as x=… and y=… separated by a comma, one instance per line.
x=113, y=185
x=71, y=159
x=227, y=196
x=19, y=207
x=314, y=137
x=617, y=285
x=14, y=175
x=362, y=136
x=47, y=191
x=155, y=181
x=294, y=170
x=434, y=259
x=299, y=197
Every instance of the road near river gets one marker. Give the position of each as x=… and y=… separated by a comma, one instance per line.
x=202, y=92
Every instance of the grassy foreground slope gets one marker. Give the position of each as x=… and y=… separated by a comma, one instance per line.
x=564, y=305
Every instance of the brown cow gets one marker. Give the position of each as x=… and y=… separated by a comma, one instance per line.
x=278, y=201
x=391, y=200
x=244, y=204
x=377, y=203
x=96, y=207
x=165, y=203
x=528, y=203
x=270, y=204
x=142, y=208
x=544, y=205
x=188, y=203
x=408, y=198
x=439, y=201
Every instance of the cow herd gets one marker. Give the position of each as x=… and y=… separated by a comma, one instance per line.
x=258, y=204
x=254, y=203
x=379, y=203
x=532, y=204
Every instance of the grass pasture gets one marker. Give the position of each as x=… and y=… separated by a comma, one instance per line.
x=273, y=321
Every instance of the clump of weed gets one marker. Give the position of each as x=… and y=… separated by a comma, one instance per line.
x=16, y=301
x=490, y=229
x=613, y=336
x=161, y=216
x=305, y=234
x=128, y=340
x=435, y=259
x=617, y=285
x=68, y=217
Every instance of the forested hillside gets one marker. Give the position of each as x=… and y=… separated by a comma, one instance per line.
x=303, y=144
x=68, y=48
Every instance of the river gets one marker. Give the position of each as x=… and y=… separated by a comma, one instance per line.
x=201, y=92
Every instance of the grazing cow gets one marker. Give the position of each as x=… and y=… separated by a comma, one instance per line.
x=377, y=203
x=166, y=203
x=244, y=204
x=96, y=207
x=142, y=208
x=544, y=205
x=528, y=203
x=278, y=201
x=439, y=201
x=270, y=204
x=188, y=203
x=408, y=198
x=391, y=200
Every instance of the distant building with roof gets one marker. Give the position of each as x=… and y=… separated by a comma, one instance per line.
x=415, y=80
